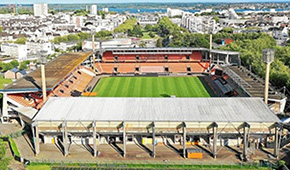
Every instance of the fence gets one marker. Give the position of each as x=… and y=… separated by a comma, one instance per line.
x=152, y=164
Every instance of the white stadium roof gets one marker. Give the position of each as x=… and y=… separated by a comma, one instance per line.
x=156, y=109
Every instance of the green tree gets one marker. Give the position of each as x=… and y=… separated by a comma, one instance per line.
x=1, y=29
x=21, y=40
x=216, y=18
x=142, y=44
x=136, y=31
x=14, y=63
x=126, y=26
x=24, y=65
x=4, y=162
x=159, y=43
x=103, y=34
x=149, y=28
x=72, y=37
x=152, y=34
x=227, y=30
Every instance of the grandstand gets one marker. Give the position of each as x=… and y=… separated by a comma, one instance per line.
x=64, y=76
x=161, y=60
x=208, y=122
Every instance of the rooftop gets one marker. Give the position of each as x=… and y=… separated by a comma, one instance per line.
x=156, y=109
x=55, y=71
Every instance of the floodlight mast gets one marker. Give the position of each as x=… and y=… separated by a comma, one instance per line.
x=43, y=79
x=210, y=31
x=93, y=32
x=268, y=58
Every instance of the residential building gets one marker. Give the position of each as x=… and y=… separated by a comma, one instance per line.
x=40, y=9
x=94, y=10
x=18, y=51
x=174, y=12
x=14, y=73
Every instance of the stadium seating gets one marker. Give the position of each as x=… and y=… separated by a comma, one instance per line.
x=148, y=62
x=23, y=99
x=77, y=81
x=109, y=57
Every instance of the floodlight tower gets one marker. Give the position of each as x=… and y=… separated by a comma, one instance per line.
x=43, y=80
x=268, y=58
x=210, y=31
x=93, y=32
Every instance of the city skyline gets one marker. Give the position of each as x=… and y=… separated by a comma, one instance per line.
x=134, y=1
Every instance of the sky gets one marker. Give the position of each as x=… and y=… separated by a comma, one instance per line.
x=125, y=1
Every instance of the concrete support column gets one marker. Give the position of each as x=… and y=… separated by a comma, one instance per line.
x=215, y=136
x=94, y=138
x=124, y=139
x=153, y=139
x=238, y=142
x=277, y=138
x=4, y=117
x=227, y=59
x=246, y=128
x=65, y=139
x=35, y=132
x=184, y=140
x=22, y=122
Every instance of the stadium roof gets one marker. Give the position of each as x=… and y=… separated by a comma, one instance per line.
x=156, y=109
x=150, y=49
x=55, y=71
x=153, y=48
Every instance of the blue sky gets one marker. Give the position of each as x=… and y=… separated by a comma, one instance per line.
x=122, y=1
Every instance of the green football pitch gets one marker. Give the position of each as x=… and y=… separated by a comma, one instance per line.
x=153, y=87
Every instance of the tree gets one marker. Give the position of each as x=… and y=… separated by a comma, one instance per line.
x=152, y=34
x=142, y=44
x=14, y=63
x=126, y=26
x=23, y=65
x=4, y=162
x=21, y=40
x=149, y=28
x=227, y=30
x=216, y=18
x=103, y=34
x=159, y=43
x=72, y=37
x=1, y=29
x=136, y=31
x=102, y=13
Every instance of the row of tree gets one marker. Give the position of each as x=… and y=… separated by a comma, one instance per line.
x=126, y=26
x=72, y=37
x=14, y=64
x=249, y=44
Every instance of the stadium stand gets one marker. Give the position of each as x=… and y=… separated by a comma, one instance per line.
x=145, y=60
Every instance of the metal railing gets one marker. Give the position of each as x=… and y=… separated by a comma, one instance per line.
x=240, y=81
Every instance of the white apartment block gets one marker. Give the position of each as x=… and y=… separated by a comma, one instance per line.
x=35, y=47
x=203, y=24
x=94, y=10
x=174, y=12
x=18, y=51
x=281, y=19
x=40, y=9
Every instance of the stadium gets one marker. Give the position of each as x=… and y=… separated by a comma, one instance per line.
x=187, y=98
